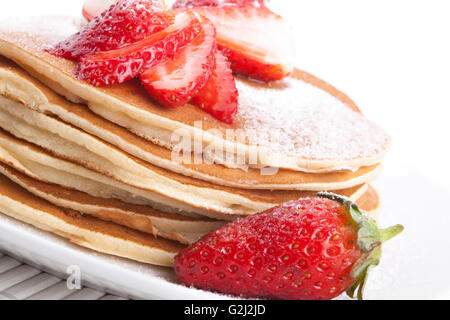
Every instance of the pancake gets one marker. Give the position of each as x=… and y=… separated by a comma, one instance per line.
x=17, y=85
x=370, y=202
x=44, y=166
x=84, y=230
x=142, y=218
x=300, y=123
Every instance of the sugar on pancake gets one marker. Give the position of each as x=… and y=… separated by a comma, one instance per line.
x=300, y=123
x=17, y=85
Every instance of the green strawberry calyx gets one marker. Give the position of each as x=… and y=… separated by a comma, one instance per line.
x=370, y=239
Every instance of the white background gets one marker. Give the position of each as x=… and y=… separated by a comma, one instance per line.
x=393, y=58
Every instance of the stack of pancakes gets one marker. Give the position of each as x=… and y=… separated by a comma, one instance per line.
x=107, y=168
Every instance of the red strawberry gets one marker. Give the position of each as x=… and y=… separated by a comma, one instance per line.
x=243, y=66
x=125, y=22
x=117, y=66
x=313, y=248
x=220, y=96
x=93, y=8
x=176, y=81
x=217, y=3
x=257, y=42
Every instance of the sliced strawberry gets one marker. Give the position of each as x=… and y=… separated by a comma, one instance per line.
x=217, y=3
x=243, y=66
x=117, y=66
x=219, y=97
x=125, y=22
x=176, y=81
x=93, y=8
x=257, y=42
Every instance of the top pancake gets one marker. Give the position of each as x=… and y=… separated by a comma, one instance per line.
x=17, y=85
x=300, y=123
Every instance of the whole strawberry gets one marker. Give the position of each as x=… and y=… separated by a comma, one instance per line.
x=313, y=248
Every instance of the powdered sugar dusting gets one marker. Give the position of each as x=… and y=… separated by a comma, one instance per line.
x=51, y=28
x=303, y=120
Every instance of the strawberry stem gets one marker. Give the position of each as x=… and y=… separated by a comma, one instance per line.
x=370, y=239
x=389, y=233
